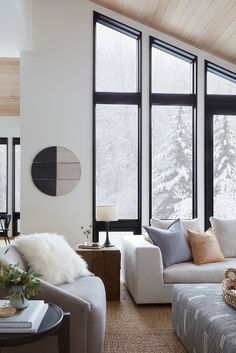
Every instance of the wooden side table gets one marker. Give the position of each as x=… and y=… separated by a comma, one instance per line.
x=105, y=263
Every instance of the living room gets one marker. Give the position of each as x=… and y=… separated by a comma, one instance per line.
x=143, y=95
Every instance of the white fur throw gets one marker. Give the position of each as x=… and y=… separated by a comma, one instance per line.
x=51, y=256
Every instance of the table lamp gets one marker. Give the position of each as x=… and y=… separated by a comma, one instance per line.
x=107, y=214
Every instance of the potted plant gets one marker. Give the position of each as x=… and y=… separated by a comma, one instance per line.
x=20, y=285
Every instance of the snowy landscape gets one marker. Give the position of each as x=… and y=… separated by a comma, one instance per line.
x=116, y=125
x=17, y=178
x=117, y=134
x=3, y=177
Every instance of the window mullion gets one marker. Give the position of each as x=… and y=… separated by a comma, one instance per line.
x=118, y=98
x=173, y=99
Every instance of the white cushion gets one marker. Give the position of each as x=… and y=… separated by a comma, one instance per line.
x=225, y=231
x=191, y=224
x=51, y=256
x=187, y=272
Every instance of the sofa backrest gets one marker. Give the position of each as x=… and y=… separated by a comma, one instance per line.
x=10, y=255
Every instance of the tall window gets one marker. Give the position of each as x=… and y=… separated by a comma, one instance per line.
x=173, y=120
x=220, y=143
x=117, y=122
x=3, y=175
x=16, y=186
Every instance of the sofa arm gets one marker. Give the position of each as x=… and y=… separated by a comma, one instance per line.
x=78, y=309
x=142, y=267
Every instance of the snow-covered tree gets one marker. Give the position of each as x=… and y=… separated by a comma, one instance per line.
x=224, y=155
x=224, y=166
x=172, y=181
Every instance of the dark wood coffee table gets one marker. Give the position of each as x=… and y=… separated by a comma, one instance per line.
x=55, y=322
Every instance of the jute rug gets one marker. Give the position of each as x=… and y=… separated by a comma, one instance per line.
x=133, y=328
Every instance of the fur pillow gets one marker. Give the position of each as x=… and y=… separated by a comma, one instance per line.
x=51, y=256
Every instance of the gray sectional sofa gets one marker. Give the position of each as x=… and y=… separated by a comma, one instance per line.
x=85, y=299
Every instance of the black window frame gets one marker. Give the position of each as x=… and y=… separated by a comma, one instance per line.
x=215, y=104
x=15, y=215
x=4, y=141
x=118, y=98
x=174, y=99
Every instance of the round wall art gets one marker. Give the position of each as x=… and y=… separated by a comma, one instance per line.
x=55, y=171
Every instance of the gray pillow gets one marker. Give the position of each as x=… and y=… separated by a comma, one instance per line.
x=172, y=242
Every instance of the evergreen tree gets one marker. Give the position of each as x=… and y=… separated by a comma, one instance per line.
x=173, y=180
x=224, y=155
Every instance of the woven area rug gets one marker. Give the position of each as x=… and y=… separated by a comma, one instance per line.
x=133, y=328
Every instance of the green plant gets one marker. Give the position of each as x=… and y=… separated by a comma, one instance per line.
x=11, y=276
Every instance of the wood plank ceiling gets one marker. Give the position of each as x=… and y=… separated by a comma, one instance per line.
x=206, y=24
x=9, y=87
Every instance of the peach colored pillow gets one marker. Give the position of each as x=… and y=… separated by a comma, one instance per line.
x=205, y=247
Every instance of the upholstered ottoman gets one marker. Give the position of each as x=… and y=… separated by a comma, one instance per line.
x=202, y=320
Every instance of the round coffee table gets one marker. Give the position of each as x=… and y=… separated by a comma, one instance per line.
x=54, y=321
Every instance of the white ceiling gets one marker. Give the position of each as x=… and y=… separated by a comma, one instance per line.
x=15, y=27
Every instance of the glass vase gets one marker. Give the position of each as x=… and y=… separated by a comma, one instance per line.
x=17, y=297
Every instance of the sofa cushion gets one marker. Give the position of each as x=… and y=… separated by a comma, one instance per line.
x=225, y=231
x=189, y=273
x=172, y=242
x=205, y=247
x=85, y=287
x=51, y=256
x=191, y=224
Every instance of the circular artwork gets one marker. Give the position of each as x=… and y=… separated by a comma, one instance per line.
x=56, y=171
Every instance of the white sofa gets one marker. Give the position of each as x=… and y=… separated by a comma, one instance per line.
x=149, y=282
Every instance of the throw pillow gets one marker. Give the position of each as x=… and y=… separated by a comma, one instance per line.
x=225, y=231
x=51, y=256
x=192, y=224
x=172, y=242
x=205, y=247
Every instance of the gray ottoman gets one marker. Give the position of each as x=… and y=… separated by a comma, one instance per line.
x=202, y=320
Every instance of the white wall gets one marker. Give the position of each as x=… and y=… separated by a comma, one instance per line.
x=15, y=27
x=56, y=109
x=9, y=127
x=24, y=12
